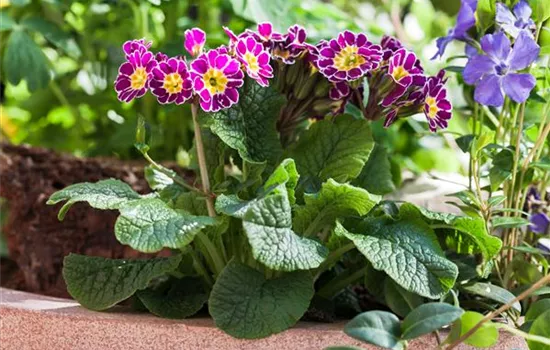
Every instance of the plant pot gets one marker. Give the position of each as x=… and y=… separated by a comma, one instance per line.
x=31, y=321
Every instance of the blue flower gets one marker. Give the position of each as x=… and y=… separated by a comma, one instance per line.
x=494, y=72
x=516, y=21
x=539, y=222
x=464, y=21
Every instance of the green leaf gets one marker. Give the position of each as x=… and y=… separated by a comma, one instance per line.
x=379, y=328
x=268, y=226
x=157, y=180
x=232, y=205
x=501, y=170
x=333, y=201
x=104, y=194
x=399, y=300
x=148, y=225
x=24, y=60
x=407, y=250
x=485, y=12
x=6, y=22
x=99, y=283
x=541, y=328
x=490, y=291
x=175, y=299
x=465, y=142
x=376, y=174
x=249, y=126
x=337, y=149
x=509, y=221
x=541, y=10
x=428, y=318
x=53, y=34
x=284, y=174
x=536, y=309
x=246, y=305
x=486, y=336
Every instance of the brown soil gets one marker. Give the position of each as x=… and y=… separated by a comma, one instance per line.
x=37, y=241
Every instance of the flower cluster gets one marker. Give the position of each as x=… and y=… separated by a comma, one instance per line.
x=316, y=79
x=496, y=63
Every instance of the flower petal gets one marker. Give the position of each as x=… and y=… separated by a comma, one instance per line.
x=525, y=52
x=477, y=67
x=496, y=45
x=488, y=91
x=518, y=86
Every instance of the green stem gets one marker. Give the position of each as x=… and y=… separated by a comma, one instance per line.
x=527, y=336
x=171, y=174
x=217, y=260
x=333, y=257
x=340, y=282
x=199, y=267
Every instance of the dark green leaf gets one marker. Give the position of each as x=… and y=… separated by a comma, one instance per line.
x=399, y=300
x=264, y=307
x=53, y=34
x=536, y=309
x=99, y=283
x=249, y=126
x=376, y=174
x=24, y=60
x=454, y=69
x=6, y=22
x=104, y=194
x=379, y=328
x=541, y=328
x=268, y=226
x=176, y=299
x=465, y=142
x=148, y=225
x=492, y=292
x=428, y=318
x=501, y=170
x=509, y=222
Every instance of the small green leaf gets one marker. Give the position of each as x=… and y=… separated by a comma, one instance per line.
x=264, y=307
x=175, y=299
x=465, y=142
x=484, y=337
x=24, y=60
x=541, y=328
x=249, y=126
x=492, y=292
x=495, y=201
x=379, y=328
x=232, y=205
x=148, y=225
x=104, y=194
x=428, y=318
x=284, y=174
x=407, y=250
x=536, y=309
x=157, y=180
x=509, y=222
x=53, y=34
x=399, y=300
x=99, y=283
x=337, y=149
x=333, y=201
x=376, y=174
x=6, y=22
x=501, y=170
x=267, y=224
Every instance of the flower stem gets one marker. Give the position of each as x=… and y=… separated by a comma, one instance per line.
x=170, y=173
x=203, y=169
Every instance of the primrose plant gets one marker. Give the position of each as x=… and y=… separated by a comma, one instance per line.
x=285, y=212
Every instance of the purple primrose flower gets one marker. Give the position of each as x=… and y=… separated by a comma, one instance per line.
x=495, y=72
x=437, y=107
x=404, y=68
x=140, y=45
x=517, y=21
x=194, y=41
x=135, y=74
x=216, y=77
x=171, y=82
x=348, y=57
x=389, y=46
x=465, y=21
x=539, y=223
x=255, y=60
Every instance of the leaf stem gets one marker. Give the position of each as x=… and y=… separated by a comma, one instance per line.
x=340, y=282
x=217, y=261
x=203, y=169
x=540, y=283
x=171, y=174
x=535, y=338
x=333, y=257
x=199, y=267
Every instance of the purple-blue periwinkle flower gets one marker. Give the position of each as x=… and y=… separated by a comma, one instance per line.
x=539, y=222
x=516, y=21
x=465, y=21
x=544, y=244
x=495, y=72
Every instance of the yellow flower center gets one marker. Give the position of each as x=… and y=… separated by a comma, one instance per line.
x=138, y=78
x=252, y=62
x=215, y=81
x=347, y=59
x=399, y=72
x=433, y=109
x=173, y=83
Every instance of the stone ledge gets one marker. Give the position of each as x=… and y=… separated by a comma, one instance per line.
x=31, y=321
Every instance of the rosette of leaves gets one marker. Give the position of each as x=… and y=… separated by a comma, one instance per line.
x=291, y=224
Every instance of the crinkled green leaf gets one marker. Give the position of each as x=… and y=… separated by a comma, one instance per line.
x=379, y=328
x=284, y=174
x=249, y=126
x=148, y=225
x=268, y=226
x=246, y=305
x=175, y=299
x=492, y=292
x=407, y=250
x=24, y=60
x=232, y=205
x=99, y=283
x=53, y=34
x=157, y=180
x=428, y=318
x=333, y=201
x=376, y=175
x=337, y=149
x=104, y=194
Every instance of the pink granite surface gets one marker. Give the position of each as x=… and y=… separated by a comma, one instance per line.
x=30, y=321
